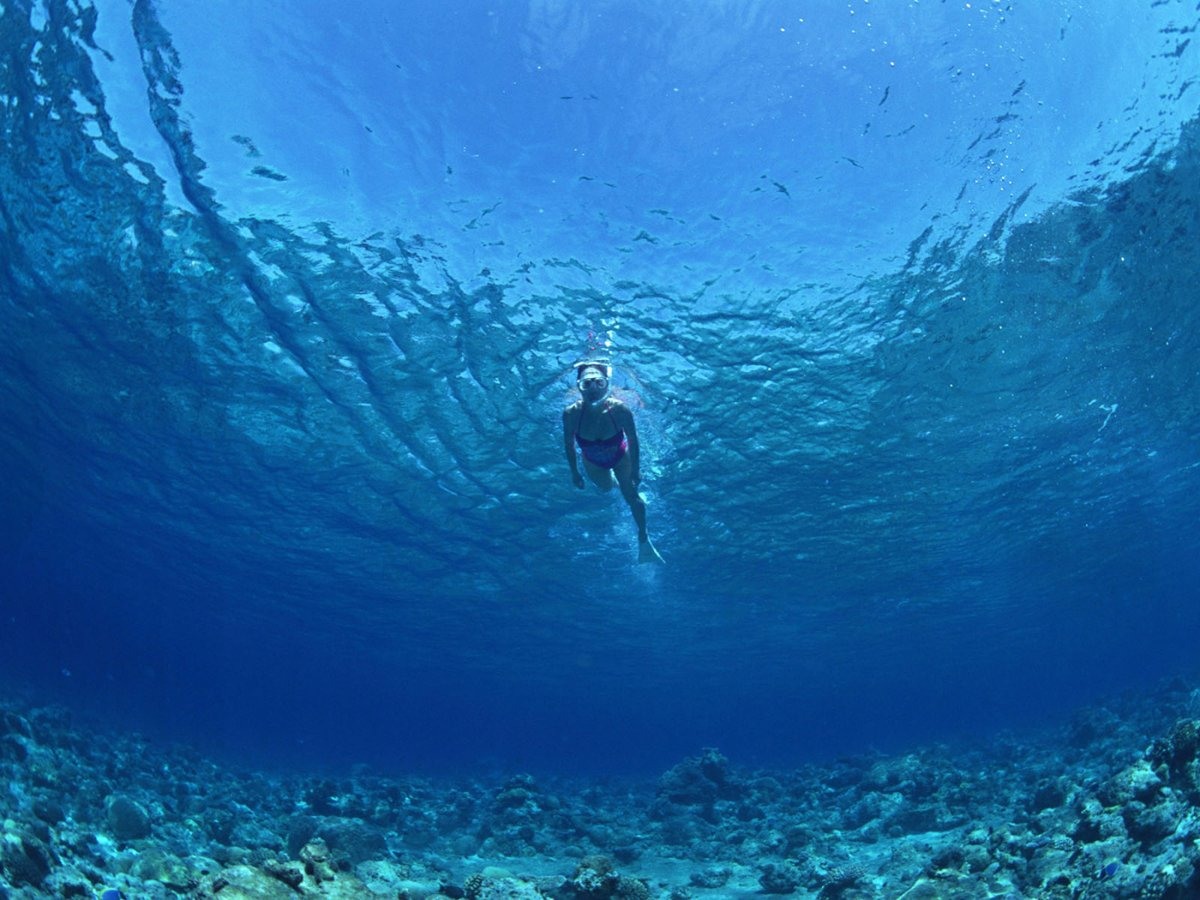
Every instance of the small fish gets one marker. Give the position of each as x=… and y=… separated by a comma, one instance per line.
x=1109, y=871
x=111, y=894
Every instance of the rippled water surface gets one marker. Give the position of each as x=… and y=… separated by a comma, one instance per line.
x=903, y=296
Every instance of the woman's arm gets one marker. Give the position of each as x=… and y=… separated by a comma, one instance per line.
x=569, y=445
x=624, y=417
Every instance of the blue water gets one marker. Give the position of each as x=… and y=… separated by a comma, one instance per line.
x=903, y=295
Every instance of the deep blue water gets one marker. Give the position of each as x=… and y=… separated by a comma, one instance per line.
x=904, y=296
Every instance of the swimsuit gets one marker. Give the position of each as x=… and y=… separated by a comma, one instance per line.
x=606, y=452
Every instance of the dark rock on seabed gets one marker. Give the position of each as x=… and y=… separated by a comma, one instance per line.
x=1106, y=806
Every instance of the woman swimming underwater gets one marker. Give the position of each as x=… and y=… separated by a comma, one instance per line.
x=603, y=429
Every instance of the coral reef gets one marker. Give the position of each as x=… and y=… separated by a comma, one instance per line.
x=1107, y=806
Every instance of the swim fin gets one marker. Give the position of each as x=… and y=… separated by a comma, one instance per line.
x=647, y=553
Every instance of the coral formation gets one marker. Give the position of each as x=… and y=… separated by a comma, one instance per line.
x=1105, y=807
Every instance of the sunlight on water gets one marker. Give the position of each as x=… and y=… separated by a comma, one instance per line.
x=902, y=299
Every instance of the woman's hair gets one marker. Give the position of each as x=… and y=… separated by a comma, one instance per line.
x=599, y=365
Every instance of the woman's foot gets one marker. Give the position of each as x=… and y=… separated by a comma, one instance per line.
x=646, y=552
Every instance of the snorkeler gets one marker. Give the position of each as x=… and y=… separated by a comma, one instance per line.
x=603, y=428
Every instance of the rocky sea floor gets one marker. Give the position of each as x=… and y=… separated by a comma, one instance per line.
x=1108, y=805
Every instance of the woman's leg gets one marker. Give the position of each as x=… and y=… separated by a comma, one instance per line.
x=637, y=506
x=600, y=476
